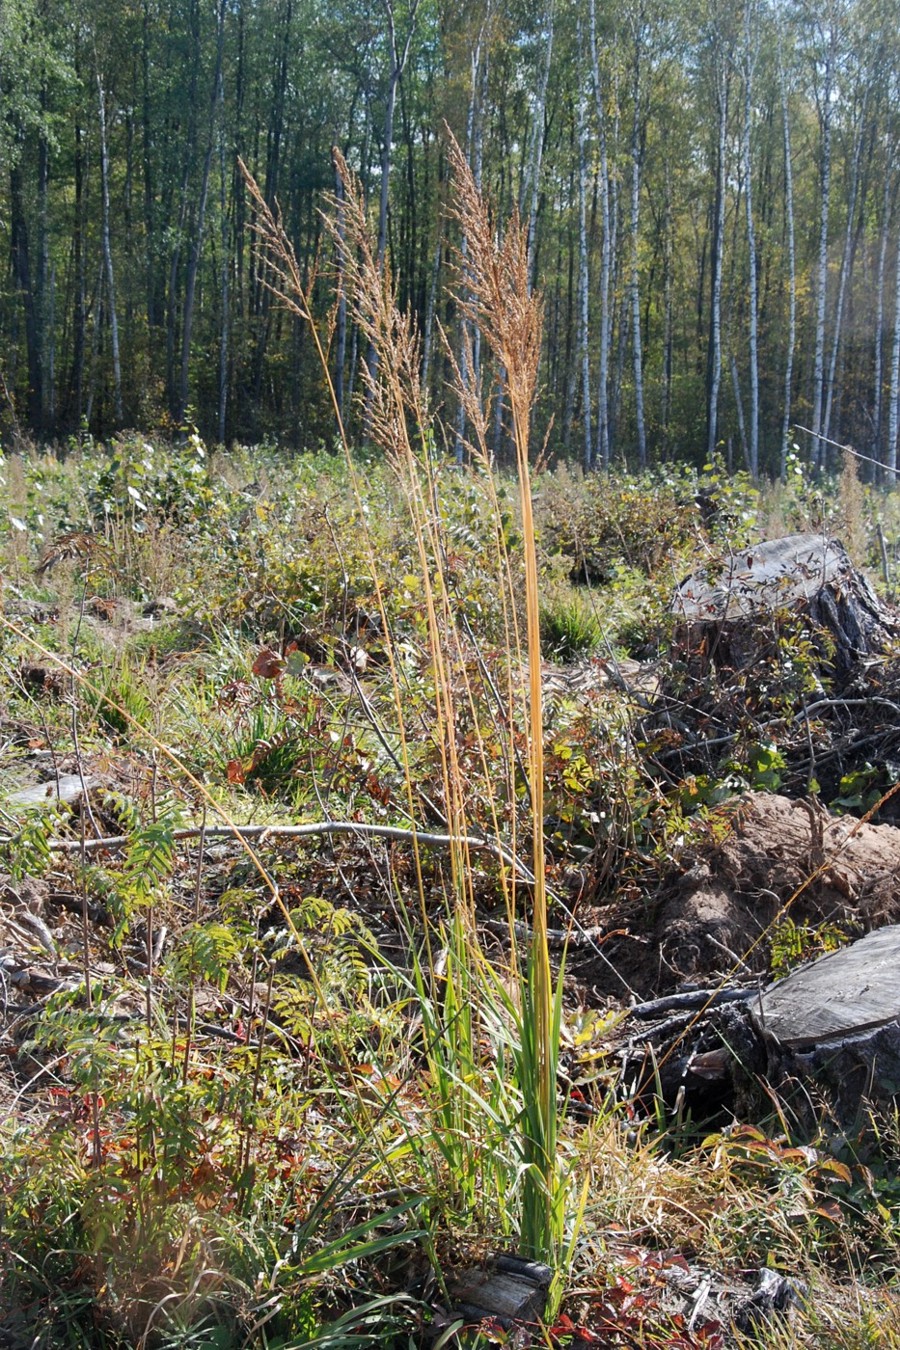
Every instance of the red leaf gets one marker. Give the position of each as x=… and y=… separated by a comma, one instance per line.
x=268, y=664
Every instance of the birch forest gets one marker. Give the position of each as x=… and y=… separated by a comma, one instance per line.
x=710, y=194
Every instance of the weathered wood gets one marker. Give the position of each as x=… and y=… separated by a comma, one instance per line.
x=720, y=607
x=834, y=1027
x=690, y=1001
x=848, y=992
x=68, y=787
x=772, y=575
x=509, y=1290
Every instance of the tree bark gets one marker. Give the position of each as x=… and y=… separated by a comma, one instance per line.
x=603, y=440
x=190, y=289
x=583, y=269
x=21, y=269
x=108, y=258
x=750, y=53
x=894, y=395
x=825, y=122
x=846, y=256
x=714, y=360
x=792, y=271
x=398, y=60
x=636, y=155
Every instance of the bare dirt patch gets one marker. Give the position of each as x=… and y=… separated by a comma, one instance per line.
x=768, y=860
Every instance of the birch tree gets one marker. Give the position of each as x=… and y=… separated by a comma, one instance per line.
x=583, y=264
x=638, y=23
x=748, y=60
x=792, y=265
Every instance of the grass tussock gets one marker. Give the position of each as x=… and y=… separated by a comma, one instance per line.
x=303, y=1050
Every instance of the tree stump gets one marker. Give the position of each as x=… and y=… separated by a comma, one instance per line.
x=507, y=1290
x=722, y=608
x=835, y=1024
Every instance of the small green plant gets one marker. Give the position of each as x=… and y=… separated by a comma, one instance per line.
x=794, y=944
x=569, y=628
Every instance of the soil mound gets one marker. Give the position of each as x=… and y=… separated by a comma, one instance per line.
x=768, y=861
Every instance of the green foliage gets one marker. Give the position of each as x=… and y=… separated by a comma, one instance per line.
x=863, y=788
x=207, y=951
x=760, y=767
x=604, y=523
x=140, y=479
x=118, y=699
x=330, y=1002
x=570, y=628
x=27, y=853
x=192, y=1113
x=148, y=863
x=793, y=944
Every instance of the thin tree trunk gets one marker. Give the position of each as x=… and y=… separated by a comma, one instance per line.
x=753, y=334
x=21, y=267
x=584, y=281
x=825, y=116
x=95, y=346
x=845, y=268
x=637, y=349
x=537, y=150
x=431, y=306
x=78, y=266
x=397, y=66
x=605, y=253
x=190, y=289
x=894, y=396
x=154, y=314
x=50, y=344
x=107, y=258
x=43, y=270
x=792, y=272
x=878, y=374
x=714, y=363
x=224, y=287
x=739, y=405
x=464, y=335
x=668, y=320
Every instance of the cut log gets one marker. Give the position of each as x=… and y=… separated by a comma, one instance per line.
x=68, y=788
x=720, y=608
x=835, y=1025
x=831, y=1030
x=851, y=991
x=507, y=1291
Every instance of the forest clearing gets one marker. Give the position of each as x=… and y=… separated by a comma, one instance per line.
x=450, y=752
x=264, y=1021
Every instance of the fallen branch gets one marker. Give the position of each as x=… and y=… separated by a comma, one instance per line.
x=556, y=937
x=262, y=833
x=694, y=1000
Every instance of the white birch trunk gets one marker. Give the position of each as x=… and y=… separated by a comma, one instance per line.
x=878, y=372
x=894, y=396
x=753, y=334
x=792, y=273
x=845, y=267
x=584, y=275
x=537, y=148
x=825, y=116
x=107, y=256
x=636, y=347
x=605, y=253
x=715, y=319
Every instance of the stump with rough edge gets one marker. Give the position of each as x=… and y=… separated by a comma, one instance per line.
x=508, y=1290
x=835, y=1025
x=722, y=608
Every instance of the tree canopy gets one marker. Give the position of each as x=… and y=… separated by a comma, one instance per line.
x=710, y=194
